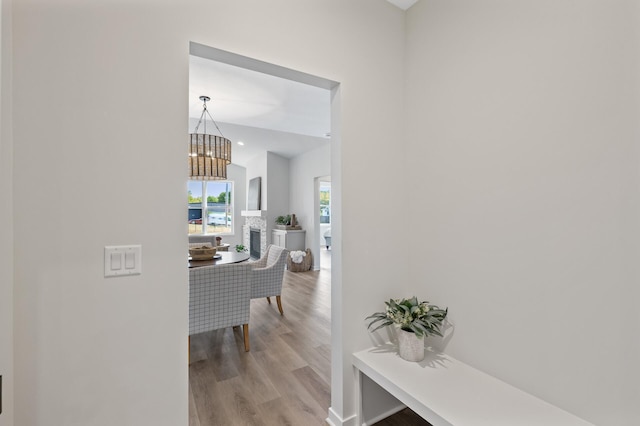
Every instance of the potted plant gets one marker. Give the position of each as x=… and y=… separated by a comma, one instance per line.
x=414, y=320
x=283, y=221
x=240, y=248
x=287, y=222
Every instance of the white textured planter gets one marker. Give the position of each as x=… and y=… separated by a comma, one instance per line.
x=410, y=346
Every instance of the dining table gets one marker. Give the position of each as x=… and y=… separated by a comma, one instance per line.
x=220, y=258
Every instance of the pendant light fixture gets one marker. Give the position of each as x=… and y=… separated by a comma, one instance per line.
x=209, y=155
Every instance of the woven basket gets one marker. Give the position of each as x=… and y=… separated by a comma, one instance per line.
x=300, y=267
x=202, y=253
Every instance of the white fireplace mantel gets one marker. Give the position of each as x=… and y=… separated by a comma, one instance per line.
x=253, y=213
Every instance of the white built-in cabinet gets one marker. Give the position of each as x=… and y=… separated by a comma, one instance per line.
x=289, y=239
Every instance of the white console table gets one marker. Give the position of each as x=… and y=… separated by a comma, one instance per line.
x=447, y=392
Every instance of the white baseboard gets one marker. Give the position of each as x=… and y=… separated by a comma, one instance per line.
x=335, y=420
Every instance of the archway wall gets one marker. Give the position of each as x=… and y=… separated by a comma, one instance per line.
x=109, y=81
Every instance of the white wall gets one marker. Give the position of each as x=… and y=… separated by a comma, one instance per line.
x=277, y=190
x=95, y=351
x=111, y=170
x=257, y=167
x=237, y=174
x=6, y=218
x=523, y=147
x=303, y=170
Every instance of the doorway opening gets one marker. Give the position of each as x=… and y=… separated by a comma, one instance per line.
x=316, y=214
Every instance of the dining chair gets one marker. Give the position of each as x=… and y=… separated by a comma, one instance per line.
x=219, y=297
x=267, y=274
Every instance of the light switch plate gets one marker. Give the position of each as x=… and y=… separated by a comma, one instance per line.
x=129, y=260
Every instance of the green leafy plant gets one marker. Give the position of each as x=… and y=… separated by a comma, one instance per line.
x=420, y=318
x=240, y=248
x=283, y=220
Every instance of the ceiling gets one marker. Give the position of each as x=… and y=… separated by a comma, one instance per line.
x=264, y=112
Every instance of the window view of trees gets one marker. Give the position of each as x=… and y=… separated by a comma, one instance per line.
x=221, y=198
x=217, y=210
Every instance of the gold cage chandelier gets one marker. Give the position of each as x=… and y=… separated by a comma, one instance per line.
x=209, y=155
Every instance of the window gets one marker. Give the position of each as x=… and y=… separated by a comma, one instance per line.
x=211, y=200
x=325, y=202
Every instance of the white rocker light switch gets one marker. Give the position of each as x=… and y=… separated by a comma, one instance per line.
x=122, y=260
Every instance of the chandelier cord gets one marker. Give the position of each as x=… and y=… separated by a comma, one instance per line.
x=205, y=110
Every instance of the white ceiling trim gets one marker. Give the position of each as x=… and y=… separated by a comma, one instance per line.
x=403, y=4
x=218, y=55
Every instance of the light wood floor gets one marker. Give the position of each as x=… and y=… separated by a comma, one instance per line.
x=285, y=378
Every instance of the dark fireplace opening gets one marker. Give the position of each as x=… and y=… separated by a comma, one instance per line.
x=254, y=243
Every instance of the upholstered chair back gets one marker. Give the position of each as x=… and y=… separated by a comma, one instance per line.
x=219, y=297
x=268, y=272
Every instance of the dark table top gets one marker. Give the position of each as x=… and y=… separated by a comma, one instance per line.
x=226, y=257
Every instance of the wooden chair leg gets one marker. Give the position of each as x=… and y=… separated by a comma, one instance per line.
x=279, y=301
x=245, y=331
x=269, y=300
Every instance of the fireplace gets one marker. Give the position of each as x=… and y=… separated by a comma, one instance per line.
x=254, y=232
x=255, y=242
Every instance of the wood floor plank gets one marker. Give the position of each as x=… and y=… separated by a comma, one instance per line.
x=255, y=381
x=314, y=384
x=221, y=350
x=193, y=412
x=211, y=408
x=300, y=401
x=312, y=355
x=281, y=412
x=239, y=402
